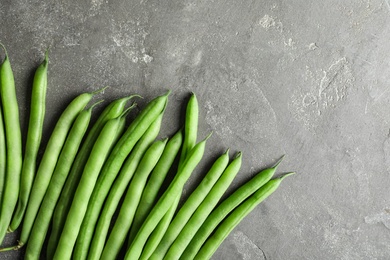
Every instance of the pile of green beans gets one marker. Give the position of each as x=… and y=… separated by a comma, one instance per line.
x=112, y=189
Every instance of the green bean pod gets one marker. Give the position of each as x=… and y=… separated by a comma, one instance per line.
x=191, y=204
x=119, y=154
x=190, y=135
x=166, y=200
x=188, y=231
x=113, y=110
x=88, y=232
x=65, y=160
x=225, y=207
x=235, y=217
x=190, y=127
x=131, y=201
x=153, y=186
x=49, y=160
x=13, y=140
x=158, y=233
x=3, y=155
x=33, y=140
x=100, y=152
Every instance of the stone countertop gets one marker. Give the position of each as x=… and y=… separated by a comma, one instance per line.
x=306, y=79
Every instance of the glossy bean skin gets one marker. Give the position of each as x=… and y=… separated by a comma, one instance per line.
x=162, y=206
x=99, y=154
x=13, y=140
x=113, y=110
x=236, y=216
x=119, y=154
x=191, y=204
x=225, y=207
x=131, y=201
x=49, y=160
x=65, y=160
x=153, y=186
x=33, y=140
x=203, y=211
x=90, y=241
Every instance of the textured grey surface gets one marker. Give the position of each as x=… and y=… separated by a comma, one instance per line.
x=309, y=79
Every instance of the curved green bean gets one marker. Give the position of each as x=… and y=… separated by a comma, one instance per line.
x=65, y=160
x=190, y=127
x=33, y=140
x=113, y=110
x=158, y=233
x=3, y=154
x=13, y=138
x=49, y=160
x=88, y=233
x=226, y=206
x=153, y=186
x=192, y=203
x=188, y=231
x=235, y=217
x=109, y=171
x=99, y=154
x=166, y=200
x=131, y=201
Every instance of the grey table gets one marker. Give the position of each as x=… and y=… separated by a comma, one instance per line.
x=308, y=79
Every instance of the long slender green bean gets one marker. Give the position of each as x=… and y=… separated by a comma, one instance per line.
x=166, y=200
x=33, y=140
x=49, y=160
x=158, y=233
x=190, y=135
x=190, y=206
x=99, y=154
x=109, y=172
x=226, y=206
x=235, y=217
x=187, y=232
x=13, y=140
x=65, y=160
x=153, y=186
x=113, y=110
x=131, y=201
x=190, y=127
x=88, y=232
x=3, y=155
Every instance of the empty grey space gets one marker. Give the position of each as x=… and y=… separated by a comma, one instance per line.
x=305, y=79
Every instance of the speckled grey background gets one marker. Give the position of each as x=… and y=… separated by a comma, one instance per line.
x=309, y=79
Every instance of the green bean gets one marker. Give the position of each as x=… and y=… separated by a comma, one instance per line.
x=226, y=206
x=190, y=127
x=33, y=140
x=109, y=171
x=131, y=201
x=113, y=110
x=187, y=232
x=166, y=200
x=13, y=140
x=3, y=153
x=100, y=151
x=190, y=135
x=228, y=224
x=158, y=233
x=49, y=160
x=97, y=235
x=65, y=160
x=190, y=206
x=153, y=186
